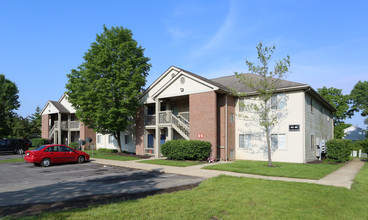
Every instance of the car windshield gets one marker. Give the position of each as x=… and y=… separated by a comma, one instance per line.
x=40, y=147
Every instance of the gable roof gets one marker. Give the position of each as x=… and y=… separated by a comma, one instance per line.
x=232, y=83
x=60, y=107
x=227, y=84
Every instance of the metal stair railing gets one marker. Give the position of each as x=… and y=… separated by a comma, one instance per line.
x=51, y=132
x=180, y=127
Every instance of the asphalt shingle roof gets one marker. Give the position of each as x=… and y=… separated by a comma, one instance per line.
x=232, y=83
x=60, y=107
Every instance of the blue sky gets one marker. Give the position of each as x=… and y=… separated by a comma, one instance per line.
x=41, y=41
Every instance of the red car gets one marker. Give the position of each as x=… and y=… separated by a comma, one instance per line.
x=55, y=153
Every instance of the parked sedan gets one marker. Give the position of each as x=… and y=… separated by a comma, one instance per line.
x=55, y=153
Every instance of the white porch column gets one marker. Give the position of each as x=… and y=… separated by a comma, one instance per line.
x=169, y=133
x=157, y=132
x=69, y=132
x=59, y=128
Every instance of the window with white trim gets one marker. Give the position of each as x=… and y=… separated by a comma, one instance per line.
x=245, y=141
x=126, y=139
x=111, y=139
x=278, y=141
x=278, y=102
x=241, y=105
x=99, y=137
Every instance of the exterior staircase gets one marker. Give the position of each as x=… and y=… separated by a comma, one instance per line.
x=51, y=132
x=181, y=126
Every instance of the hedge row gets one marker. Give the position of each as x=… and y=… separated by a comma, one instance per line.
x=361, y=144
x=105, y=150
x=339, y=150
x=186, y=149
x=36, y=142
x=74, y=145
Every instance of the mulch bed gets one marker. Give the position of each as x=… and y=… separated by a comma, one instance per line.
x=81, y=202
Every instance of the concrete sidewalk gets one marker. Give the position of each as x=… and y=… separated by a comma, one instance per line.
x=342, y=177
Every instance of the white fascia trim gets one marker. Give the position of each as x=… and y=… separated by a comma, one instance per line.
x=44, y=108
x=181, y=73
x=159, y=79
x=62, y=97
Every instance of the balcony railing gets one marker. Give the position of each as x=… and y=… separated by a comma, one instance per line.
x=65, y=125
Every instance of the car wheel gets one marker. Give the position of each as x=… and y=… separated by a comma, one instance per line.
x=81, y=159
x=46, y=162
x=20, y=151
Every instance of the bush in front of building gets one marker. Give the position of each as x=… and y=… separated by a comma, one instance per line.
x=186, y=149
x=74, y=145
x=339, y=150
x=361, y=144
x=36, y=142
x=105, y=150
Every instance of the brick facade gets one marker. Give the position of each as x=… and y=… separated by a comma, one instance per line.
x=87, y=132
x=203, y=118
x=221, y=128
x=139, y=135
x=45, y=126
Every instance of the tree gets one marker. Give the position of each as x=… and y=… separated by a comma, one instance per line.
x=105, y=88
x=21, y=127
x=339, y=130
x=359, y=96
x=35, y=123
x=341, y=103
x=265, y=86
x=8, y=103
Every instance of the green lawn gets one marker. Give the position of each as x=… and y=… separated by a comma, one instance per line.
x=307, y=171
x=110, y=156
x=176, y=163
x=14, y=160
x=226, y=197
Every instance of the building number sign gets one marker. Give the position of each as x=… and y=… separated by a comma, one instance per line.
x=200, y=135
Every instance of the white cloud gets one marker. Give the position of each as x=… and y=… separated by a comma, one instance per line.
x=221, y=34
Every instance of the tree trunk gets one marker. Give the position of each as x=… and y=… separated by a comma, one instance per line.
x=117, y=137
x=268, y=147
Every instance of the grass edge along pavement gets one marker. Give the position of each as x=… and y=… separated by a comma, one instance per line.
x=291, y=170
x=177, y=163
x=111, y=156
x=13, y=160
x=227, y=197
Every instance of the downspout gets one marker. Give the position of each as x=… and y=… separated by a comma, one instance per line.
x=226, y=128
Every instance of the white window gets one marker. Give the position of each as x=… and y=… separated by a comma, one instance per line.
x=126, y=139
x=278, y=102
x=278, y=141
x=99, y=137
x=111, y=139
x=241, y=105
x=245, y=141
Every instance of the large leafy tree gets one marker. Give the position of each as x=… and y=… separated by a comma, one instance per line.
x=106, y=86
x=265, y=85
x=359, y=96
x=8, y=103
x=341, y=103
x=35, y=123
x=21, y=127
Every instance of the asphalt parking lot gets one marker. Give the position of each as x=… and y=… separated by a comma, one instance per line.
x=6, y=156
x=23, y=183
